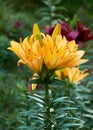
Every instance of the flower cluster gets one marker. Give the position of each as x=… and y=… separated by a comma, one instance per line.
x=45, y=54
x=81, y=34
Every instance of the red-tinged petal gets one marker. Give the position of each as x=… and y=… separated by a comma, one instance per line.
x=72, y=35
x=84, y=33
x=65, y=25
x=87, y=35
x=80, y=44
x=46, y=29
x=80, y=26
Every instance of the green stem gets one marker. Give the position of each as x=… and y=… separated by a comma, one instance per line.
x=68, y=87
x=27, y=108
x=48, y=114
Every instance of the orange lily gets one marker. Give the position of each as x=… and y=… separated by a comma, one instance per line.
x=55, y=51
x=73, y=74
x=58, y=54
x=29, y=51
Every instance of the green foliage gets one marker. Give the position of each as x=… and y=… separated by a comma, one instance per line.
x=15, y=24
x=11, y=100
x=51, y=12
x=7, y=59
x=60, y=118
x=81, y=97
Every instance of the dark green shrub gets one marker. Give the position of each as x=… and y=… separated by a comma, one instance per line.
x=7, y=59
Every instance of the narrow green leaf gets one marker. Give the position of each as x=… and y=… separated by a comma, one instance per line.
x=38, y=96
x=70, y=125
x=89, y=110
x=57, y=82
x=56, y=2
x=87, y=115
x=37, y=99
x=60, y=99
x=61, y=9
x=74, y=118
x=67, y=108
x=22, y=127
x=60, y=116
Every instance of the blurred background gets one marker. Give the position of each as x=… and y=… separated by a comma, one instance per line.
x=16, y=20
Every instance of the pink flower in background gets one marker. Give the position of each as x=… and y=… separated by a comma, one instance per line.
x=80, y=34
x=18, y=24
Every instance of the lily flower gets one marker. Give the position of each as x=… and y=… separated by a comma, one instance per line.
x=58, y=53
x=73, y=74
x=29, y=51
x=44, y=52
